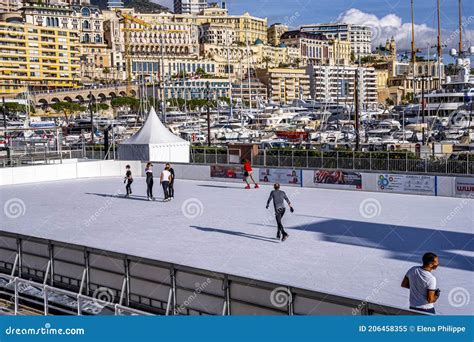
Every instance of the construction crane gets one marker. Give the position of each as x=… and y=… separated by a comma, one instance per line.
x=127, y=20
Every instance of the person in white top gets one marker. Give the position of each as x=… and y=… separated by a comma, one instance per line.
x=422, y=284
x=165, y=180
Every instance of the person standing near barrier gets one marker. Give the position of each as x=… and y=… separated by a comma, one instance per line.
x=165, y=179
x=248, y=173
x=171, y=185
x=128, y=180
x=279, y=197
x=149, y=181
x=422, y=284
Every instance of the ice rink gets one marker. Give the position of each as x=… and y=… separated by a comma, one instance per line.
x=355, y=244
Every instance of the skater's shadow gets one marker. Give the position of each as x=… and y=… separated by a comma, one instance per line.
x=229, y=232
x=133, y=197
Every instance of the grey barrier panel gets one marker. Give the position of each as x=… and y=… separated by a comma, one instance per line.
x=315, y=307
x=251, y=293
x=35, y=255
x=149, y=281
x=68, y=262
x=240, y=309
x=106, y=271
x=8, y=250
x=199, y=302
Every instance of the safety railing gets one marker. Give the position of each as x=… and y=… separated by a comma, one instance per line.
x=376, y=161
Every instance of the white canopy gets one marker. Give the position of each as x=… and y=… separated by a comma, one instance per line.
x=154, y=142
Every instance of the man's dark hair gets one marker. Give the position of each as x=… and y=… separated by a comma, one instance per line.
x=127, y=167
x=276, y=186
x=428, y=258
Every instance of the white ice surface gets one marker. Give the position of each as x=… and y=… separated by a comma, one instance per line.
x=332, y=247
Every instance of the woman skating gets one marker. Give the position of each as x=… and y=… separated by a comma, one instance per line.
x=149, y=181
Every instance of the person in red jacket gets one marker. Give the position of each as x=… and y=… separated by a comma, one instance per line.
x=248, y=173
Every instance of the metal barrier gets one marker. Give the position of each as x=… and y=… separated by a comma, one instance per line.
x=393, y=162
x=151, y=286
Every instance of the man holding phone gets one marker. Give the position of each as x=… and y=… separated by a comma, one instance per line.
x=422, y=284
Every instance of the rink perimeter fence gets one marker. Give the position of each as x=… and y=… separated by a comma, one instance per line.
x=44, y=277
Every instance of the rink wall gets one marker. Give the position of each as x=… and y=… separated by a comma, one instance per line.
x=401, y=183
x=415, y=184
x=45, y=173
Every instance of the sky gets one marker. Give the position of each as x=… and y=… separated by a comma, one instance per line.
x=386, y=18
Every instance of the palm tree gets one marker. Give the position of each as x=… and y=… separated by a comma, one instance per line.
x=266, y=60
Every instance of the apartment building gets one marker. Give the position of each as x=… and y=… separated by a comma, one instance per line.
x=38, y=57
x=359, y=36
x=285, y=84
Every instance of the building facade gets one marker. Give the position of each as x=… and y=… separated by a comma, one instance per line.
x=359, y=36
x=197, y=89
x=38, y=57
x=88, y=20
x=313, y=48
x=274, y=33
x=285, y=84
x=337, y=84
x=189, y=6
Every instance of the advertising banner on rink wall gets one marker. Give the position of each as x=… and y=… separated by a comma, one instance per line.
x=226, y=171
x=464, y=187
x=338, y=179
x=414, y=184
x=282, y=176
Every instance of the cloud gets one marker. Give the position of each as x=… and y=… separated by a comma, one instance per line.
x=392, y=25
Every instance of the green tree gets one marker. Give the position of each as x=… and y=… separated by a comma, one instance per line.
x=266, y=60
x=125, y=101
x=67, y=108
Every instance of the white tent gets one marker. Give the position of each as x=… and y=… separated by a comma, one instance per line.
x=154, y=142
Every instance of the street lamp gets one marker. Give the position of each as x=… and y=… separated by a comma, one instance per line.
x=423, y=78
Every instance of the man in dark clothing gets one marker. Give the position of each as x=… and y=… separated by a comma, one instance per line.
x=171, y=185
x=128, y=180
x=279, y=197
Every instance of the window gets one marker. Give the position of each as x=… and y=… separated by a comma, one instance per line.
x=86, y=25
x=86, y=12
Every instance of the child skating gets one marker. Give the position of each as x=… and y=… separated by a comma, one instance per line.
x=128, y=180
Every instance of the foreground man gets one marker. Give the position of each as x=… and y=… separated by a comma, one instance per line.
x=422, y=284
x=279, y=197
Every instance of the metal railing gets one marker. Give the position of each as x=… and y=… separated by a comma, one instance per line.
x=47, y=157
x=369, y=161
x=228, y=295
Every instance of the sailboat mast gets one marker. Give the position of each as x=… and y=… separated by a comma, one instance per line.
x=460, y=27
x=413, y=53
x=439, y=46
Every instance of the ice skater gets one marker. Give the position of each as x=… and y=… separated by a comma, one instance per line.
x=171, y=185
x=149, y=181
x=165, y=179
x=279, y=197
x=248, y=173
x=422, y=284
x=128, y=180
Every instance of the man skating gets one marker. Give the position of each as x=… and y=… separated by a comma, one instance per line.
x=248, y=173
x=279, y=197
